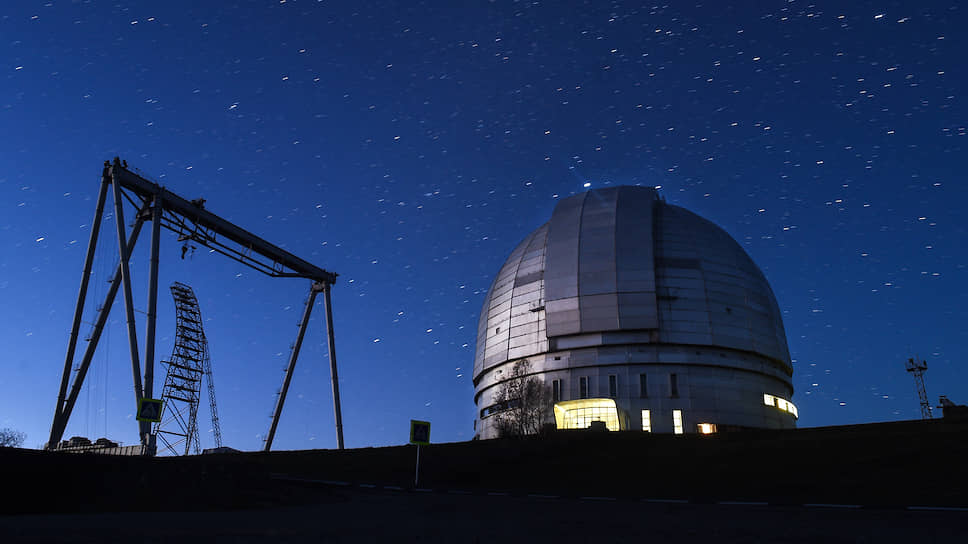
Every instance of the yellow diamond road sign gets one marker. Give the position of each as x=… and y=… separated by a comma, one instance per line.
x=419, y=432
x=149, y=410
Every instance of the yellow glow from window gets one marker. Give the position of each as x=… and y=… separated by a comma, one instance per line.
x=579, y=414
x=677, y=421
x=707, y=428
x=782, y=404
x=646, y=421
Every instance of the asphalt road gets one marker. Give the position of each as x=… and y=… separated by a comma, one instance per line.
x=329, y=513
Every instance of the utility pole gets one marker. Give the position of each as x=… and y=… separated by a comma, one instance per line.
x=917, y=368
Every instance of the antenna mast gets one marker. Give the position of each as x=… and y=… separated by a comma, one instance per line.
x=916, y=367
x=207, y=368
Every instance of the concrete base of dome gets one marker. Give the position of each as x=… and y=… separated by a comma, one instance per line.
x=715, y=386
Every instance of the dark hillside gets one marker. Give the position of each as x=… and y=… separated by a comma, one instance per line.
x=885, y=464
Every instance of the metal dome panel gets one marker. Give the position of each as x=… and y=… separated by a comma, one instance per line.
x=600, y=262
x=619, y=265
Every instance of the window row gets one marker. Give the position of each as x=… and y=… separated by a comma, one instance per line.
x=500, y=407
x=781, y=403
x=677, y=427
x=556, y=389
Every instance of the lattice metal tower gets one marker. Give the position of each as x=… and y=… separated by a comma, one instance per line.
x=207, y=368
x=189, y=361
x=916, y=367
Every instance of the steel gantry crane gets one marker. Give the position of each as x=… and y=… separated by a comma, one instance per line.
x=191, y=221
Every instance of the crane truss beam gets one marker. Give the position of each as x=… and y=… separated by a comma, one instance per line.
x=192, y=220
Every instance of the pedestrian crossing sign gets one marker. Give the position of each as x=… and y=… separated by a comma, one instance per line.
x=149, y=410
x=419, y=432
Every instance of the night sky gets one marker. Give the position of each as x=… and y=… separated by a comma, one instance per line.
x=409, y=146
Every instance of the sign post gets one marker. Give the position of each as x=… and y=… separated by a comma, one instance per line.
x=419, y=435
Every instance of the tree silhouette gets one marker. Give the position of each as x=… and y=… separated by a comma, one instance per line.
x=10, y=438
x=524, y=398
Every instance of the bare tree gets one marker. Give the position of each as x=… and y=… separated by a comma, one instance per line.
x=10, y=438
x=524, y=399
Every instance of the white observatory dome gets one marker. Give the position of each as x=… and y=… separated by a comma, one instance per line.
x=622, y=296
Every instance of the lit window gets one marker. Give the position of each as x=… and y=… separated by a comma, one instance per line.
x=707, y=428
x=583, y=387
x=579, y=414
x=677, y=420
x=782, y=404
x=646, y=421
x=612, y=385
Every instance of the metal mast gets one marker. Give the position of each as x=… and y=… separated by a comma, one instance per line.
x=179, y=422
x=207, y=368
x=917, y=368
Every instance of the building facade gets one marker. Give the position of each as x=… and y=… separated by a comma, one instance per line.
x=639, y=314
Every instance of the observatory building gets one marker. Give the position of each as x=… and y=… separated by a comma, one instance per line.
x=638, y=314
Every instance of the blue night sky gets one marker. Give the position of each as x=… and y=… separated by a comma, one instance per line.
x=408, y=146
